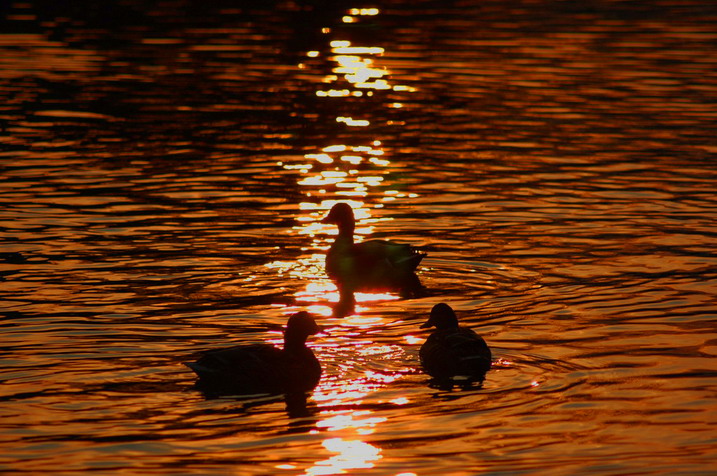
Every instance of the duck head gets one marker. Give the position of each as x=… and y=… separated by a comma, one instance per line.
x=342, y=215
x=442, y=317
x=299, y=327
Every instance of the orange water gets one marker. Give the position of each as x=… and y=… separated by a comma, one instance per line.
x=164, y=171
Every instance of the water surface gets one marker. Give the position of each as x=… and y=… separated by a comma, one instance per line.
x=165, y=169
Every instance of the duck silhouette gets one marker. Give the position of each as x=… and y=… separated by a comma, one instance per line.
x=452, y=353
x=372, y=265
x=262, y=368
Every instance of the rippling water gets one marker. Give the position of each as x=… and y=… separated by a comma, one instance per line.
x=165, y=169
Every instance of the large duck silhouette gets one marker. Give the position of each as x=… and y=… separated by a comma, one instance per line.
x=253, y=369
x=452, y=353
x=373, y=265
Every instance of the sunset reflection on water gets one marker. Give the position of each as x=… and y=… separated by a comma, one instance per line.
x=353, y=172
x=353, y=425
x=166, y=168
x=349, y=172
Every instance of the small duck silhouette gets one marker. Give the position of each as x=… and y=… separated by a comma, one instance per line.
x=263, y=368
x=370, y=265
x=453, y=353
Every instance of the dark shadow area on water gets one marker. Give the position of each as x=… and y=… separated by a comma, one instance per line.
x=346, y=305
x=297, y=404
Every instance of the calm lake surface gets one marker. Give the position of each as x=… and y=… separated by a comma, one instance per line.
x=164, y=168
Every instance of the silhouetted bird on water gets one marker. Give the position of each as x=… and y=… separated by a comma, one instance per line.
x=263, y=368
x=371, y=265
x=453, y=354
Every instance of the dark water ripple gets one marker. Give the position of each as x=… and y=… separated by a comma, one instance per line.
x=162, y=176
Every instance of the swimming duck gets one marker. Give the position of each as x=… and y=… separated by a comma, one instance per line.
x=372, y=264
x=263, y=368
x=453, y=352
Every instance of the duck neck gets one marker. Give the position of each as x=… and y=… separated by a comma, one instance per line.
x=294, y=343
x=346, y=230
x=448, y=323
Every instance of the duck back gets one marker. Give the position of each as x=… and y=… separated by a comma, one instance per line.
x=373, y=264
x=449, y=353
x=257, y=369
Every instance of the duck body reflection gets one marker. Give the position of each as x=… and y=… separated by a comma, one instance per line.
x=371, y=265
x=452, y=353
x=262, y=368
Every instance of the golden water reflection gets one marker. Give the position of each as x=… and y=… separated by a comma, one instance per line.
x=354, y=170
x=350, y=454
x=355, y=173
x=353, y=424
